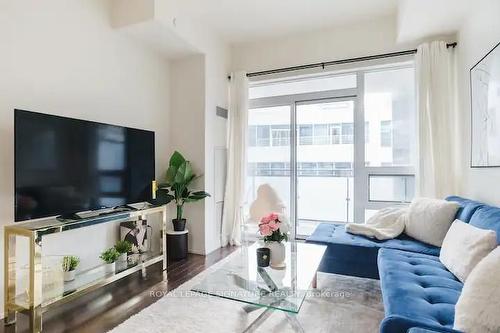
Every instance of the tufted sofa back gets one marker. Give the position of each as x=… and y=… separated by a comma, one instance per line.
x=478, y=214
x=467, y=207
x=487, y=217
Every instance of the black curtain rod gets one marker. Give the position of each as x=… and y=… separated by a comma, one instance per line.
x=336, y=62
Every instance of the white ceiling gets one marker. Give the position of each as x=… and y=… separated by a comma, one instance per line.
x=425, y=18
x=239, y=21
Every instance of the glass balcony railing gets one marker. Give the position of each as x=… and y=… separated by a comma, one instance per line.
x=323, y=195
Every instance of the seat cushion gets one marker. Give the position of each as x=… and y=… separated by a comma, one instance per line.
x=487, y=217
x=467, y=207
x=416, y=288
x=356, y=255
x=330, y=233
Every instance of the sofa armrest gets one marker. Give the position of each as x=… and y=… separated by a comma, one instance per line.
x=400, y=324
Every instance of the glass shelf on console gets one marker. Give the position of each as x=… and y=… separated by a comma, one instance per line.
x=88, y=277
x=92, y=277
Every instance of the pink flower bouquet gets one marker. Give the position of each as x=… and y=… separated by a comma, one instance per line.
x=274, y=228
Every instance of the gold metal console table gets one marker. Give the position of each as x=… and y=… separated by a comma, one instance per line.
x=32, y=301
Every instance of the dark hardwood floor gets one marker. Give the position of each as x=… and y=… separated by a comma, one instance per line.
x=103, y=309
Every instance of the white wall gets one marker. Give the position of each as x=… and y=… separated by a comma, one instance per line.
x=216, y=67
x=478, y=35
x=355, y=40
x=198, y=84
x=63, y=57
x=187, y=134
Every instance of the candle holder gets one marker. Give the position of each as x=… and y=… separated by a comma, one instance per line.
x=263, y=256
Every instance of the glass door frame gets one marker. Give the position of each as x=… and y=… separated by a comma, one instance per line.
x=294, y=173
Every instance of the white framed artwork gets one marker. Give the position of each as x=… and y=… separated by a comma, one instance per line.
x=485, y=111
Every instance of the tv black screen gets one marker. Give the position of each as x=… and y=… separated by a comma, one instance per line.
x=65, y=165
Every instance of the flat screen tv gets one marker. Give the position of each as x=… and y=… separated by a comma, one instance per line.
x=65, y=165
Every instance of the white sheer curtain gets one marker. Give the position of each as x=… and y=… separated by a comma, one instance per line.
x=232, y=216
x=436, y=106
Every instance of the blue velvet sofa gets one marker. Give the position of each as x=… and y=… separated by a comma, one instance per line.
x=417, y=290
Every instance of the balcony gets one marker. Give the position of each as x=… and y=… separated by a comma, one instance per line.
x=324, y=194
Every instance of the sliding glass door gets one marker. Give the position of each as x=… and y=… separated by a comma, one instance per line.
x=268, y=165
x=324, y=162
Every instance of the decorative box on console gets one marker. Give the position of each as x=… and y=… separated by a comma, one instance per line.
x=137, y=233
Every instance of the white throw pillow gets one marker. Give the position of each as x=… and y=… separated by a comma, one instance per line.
x=464, y=247
x=429, y=219
x=477, y=309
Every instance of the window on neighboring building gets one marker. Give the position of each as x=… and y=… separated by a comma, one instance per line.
x=325, y=168
x=347, y=133
x=321, y=134
x=306, y=134
x=343, y=165
x=262, y=136
x=335, y=132
x=272, y=169
x=280, y=135
x=386, y=133
x=280, y=169
x=263, y=169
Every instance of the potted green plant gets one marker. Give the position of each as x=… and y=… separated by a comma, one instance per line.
x=176, y=188
x=123, y=248
x=109, y=257
x=69, y=264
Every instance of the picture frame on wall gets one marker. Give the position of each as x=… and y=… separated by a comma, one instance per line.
x=485, y=111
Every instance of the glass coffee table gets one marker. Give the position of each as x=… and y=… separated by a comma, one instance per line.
x=283, y=289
